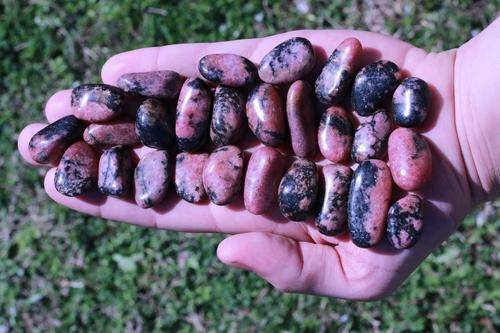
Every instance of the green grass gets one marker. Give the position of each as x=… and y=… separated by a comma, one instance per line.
x=63, y=271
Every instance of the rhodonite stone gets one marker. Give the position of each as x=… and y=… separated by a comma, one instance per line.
x=111, y=134
x=368, y=202
x=331, y=217
x=228, y=69
x=152, y=178
x=298, y=189
x=290, y=61
x=410, y=159
x=193, y=115
x=335, y=134
x=48, y=144
x=335, y=79
x=410, y=102
x=154, y=125
x=223, y=174
x=265, y=169
x=115, y=172
x=189, y=176
x=157, y=84
x=370, y=138
x=300, y=115
x=97, y=102
x=404, y=221
x=373, y=85
x=266, y=117
x=228, y=116
x=77, y=170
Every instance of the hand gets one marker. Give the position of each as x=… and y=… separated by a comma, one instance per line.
x=294, y=256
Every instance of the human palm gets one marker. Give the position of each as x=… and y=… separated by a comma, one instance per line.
x=294, y=256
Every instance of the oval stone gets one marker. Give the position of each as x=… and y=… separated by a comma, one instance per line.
x=189, y=176
x=404, y=221
x=265, y=169
x=368, y=202
x=152, y=178
x=112, y=134
x=410, y=159
x=300, y=115
x=370, y=138
x=288, y=62
x=115, y=172
x=335, y=134
x=192, y=115
x=77, y=170
x=223, y=174
x=228, y=116
x=265, y=115
x=154, y=125
x=334, y=81
x=410, y=102
x=228, y=69
x=97, y=102
x=49, y=144
x=373, y=85
x=157, y=84
x=298, y=189
x=331, y=217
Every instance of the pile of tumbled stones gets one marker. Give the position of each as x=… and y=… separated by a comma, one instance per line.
x=196, y=146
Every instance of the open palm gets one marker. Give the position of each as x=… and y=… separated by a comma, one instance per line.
x=295, y=256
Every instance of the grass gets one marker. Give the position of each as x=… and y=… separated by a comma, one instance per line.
x=61, y=271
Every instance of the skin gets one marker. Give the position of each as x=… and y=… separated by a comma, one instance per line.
x=461, y=130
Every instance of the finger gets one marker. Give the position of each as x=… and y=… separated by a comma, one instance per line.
x=58, y=105
x=24, y=139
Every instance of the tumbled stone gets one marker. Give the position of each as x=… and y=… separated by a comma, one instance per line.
x=405, y=221
x=228, y=69
x=228, y=116
x=157, y=84
x=370, y=138
x=189, y=176
x=152, y=178
x=335, y=134
x=97, y=102
x=410, y=102
x=154, y=125
x=115, y=172
x=111, y=134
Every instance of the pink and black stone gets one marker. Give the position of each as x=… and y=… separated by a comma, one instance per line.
x=335, y=134
x=298, y=189
x=97, y=102
x=115, y=172
x=77, y=170
x=370, y=138
x=373, y=85
x=228, y=116
x=189, y=176
x=405, y=221
x=49, y=144
x=193, y=115
x=410, y=102
x=111, y=134
x=157, y=84
x=154, y=125
x=368, y=202
x=289, y=61
x=231, y=70
x=152, y=178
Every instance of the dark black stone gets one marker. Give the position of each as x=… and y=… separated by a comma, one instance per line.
x=154, y=125
x=411, y=112
x=111, y=96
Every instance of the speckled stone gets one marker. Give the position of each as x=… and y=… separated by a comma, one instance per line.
x=370, y=138
x=115, y=172
x=152, y=178
x=154, y=125
x=335, y=79
x=266, y=117
x=290, y=61
x=223, y=174
x=189, y=176
x=157, y=84
x=410, y=102
x=335, y=134
x=112, y=134
x=265, y=169
x=369, y=198
x=373, y=85
x=97, y=102
x=331, y=217
x=228, y=116
x=193, y=115
x=228, y=69
x=410, y=159
x=405, y=221
x=48, y=144
x=77, y=170
x=298, y=189
x=300, y=116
